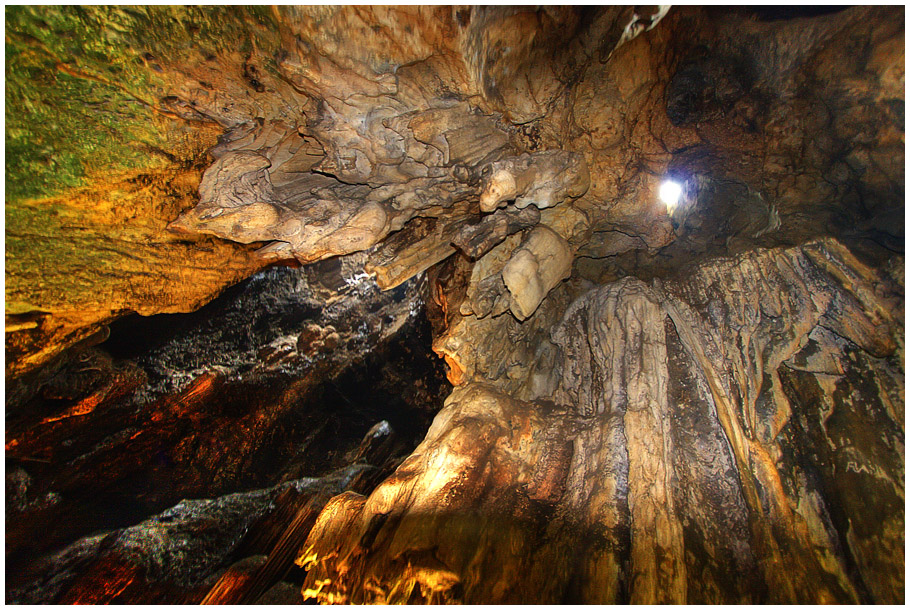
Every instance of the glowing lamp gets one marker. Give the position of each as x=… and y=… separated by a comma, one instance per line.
x=670, y=193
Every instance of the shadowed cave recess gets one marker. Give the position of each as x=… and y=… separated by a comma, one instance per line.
x=455, y=304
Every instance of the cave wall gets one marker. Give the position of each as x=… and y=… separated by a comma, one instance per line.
x=140, y=468
x=704, y=441
x=694, y=402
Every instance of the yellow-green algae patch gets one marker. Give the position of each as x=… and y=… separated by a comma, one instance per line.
x=83, y=84
x=95, y=167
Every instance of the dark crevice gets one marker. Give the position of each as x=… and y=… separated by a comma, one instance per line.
x=247, y=415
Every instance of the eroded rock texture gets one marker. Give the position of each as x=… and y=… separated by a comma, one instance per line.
x=340, y=126
x=676, y=459
x=268, y=385
x=326, y=146
x=656, y=402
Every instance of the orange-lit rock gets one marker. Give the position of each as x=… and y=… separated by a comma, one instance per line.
x=596, y=491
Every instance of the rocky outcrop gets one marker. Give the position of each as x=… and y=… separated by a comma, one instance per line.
x=541, y=261
x=69, y=275
x=278, y=379
x=543, y=179
x=324, y=151
x=180, y=554
x=675, y=460
x=160, y=558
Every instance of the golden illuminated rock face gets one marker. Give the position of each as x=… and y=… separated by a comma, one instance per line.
x=698, y=401
x=662, y=461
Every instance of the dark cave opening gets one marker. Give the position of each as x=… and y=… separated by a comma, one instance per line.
x=270, y=383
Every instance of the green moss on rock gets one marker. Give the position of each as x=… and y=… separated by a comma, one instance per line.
x=83, y=85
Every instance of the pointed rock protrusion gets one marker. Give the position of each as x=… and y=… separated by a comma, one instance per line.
x=542, y=261
x=544, y=179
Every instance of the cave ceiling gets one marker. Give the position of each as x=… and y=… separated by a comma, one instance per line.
x=419, y=133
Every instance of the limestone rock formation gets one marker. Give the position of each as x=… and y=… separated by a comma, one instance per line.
x=543, y=179
x=666, y=464
x=541, y=261
x=694, y=400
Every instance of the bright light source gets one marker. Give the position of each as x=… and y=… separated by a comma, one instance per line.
x=670, y=193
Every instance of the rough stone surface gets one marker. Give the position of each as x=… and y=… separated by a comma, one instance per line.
x=273, y=381
x=173, y=551
x=542, y=179
x=699, y=401
x=673, y=445
x=540, y=262
x=325, y=147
